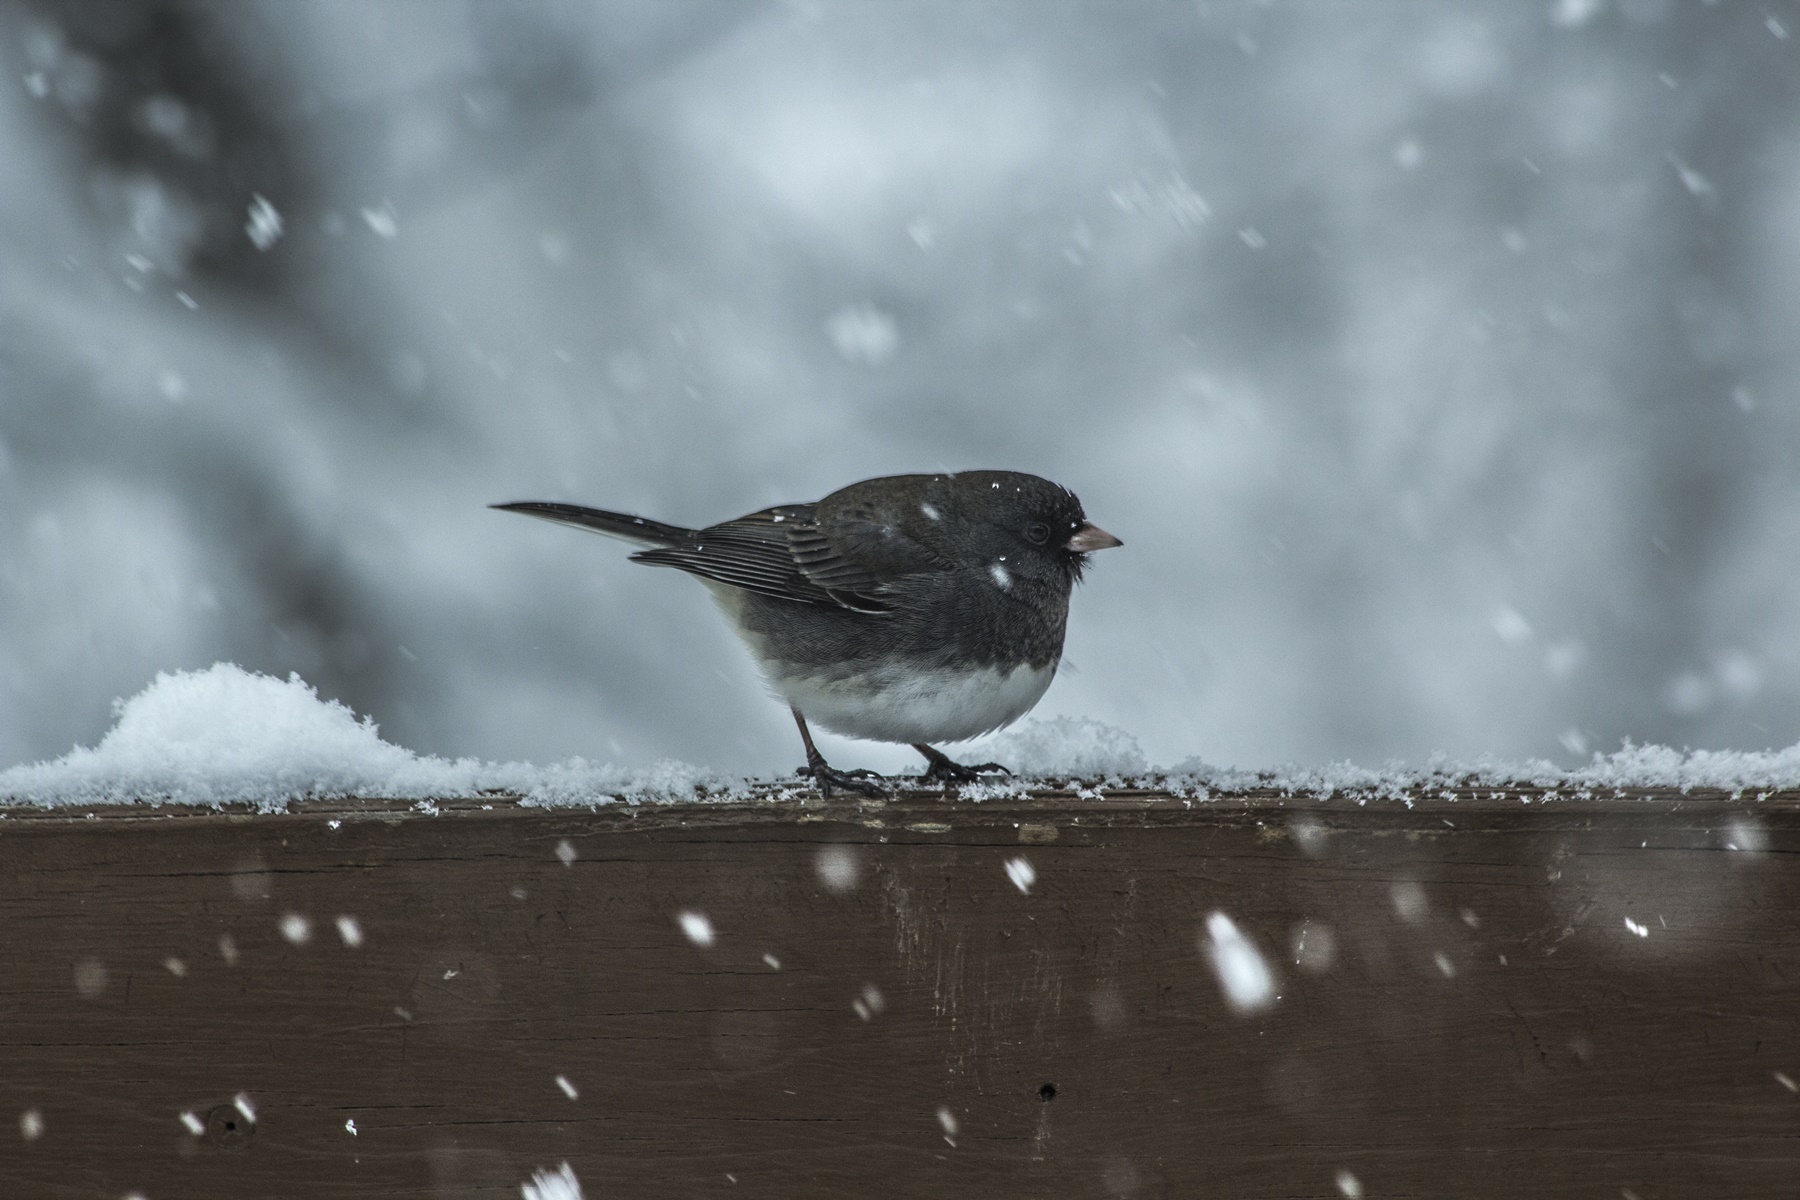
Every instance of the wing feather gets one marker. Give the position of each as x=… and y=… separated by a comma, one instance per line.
x=756, y=552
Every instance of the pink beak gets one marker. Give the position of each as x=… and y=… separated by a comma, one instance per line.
x=1091, y=537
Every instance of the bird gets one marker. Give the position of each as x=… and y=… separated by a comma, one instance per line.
x=905, y=608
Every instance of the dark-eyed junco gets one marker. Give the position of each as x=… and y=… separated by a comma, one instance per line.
x=911, y=608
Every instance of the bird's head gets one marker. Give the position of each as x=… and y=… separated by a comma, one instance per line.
x=1025, y=527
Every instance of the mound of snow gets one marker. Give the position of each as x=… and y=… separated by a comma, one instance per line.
x=225, y=735
x=1066, y=748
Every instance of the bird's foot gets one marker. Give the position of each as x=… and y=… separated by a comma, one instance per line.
x=945, y=770
x=829, y=779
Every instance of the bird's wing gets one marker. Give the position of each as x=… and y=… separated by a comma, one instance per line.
x=847, y=559
x=755, y=553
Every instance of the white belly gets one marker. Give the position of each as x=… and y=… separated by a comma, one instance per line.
x=890, y=704
x=894, y=705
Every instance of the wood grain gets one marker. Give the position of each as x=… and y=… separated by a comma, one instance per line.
x=1469, y=1013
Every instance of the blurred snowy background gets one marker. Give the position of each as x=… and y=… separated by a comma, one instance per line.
x=1436, y=362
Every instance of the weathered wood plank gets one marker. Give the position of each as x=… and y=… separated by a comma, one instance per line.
x=1483, y=1023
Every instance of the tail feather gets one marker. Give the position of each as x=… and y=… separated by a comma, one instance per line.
x=596, y=520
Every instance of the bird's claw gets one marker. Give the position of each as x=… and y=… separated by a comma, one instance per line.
x=946, y=771
x=829, y=779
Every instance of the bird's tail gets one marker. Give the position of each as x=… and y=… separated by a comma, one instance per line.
x=620, y=525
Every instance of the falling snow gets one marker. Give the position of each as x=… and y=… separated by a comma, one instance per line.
x=559, y=1184
x=837, y=867
x=698, y=929
x=264, y=226
x=1022, y=873
x=1243, y=974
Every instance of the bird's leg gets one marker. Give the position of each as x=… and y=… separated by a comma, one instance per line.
x=827, y=776
x=943, y=770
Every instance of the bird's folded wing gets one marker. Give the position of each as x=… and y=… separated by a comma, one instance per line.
x=785, y=553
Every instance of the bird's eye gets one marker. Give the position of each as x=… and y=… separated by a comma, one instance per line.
x=1037, y=533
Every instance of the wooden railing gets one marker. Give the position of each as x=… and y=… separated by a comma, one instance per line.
x=1470, y=993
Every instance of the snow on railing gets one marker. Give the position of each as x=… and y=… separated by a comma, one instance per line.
x=226, y=736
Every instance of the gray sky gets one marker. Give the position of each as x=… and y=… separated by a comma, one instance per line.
x=1436, y=362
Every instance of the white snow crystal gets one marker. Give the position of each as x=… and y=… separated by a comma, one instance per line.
x=1409, y=901
x=31, y=1124
x=869, y=1003
x=565, y=853
x=863, y=334
x=191, y=1122
x=698, y=929
x=837, y=867
x=1746, y=835
x=1022, y=873
x=350, y=930
x=1572, y=14
x=1243, y=975
x=1002, y=577
x=568, y=1089
x=773, y=962
x=1349, y=1185
x=383, y=220
x=1510, y=626
x=1787, y=1081
x=241, y=1102
x=1310, y=834
x=560, y=1184
x=1315, y=947
x=264, y=226
x=1642, y=931
x=296, y=928
x=90, y=978
x=350, y=1126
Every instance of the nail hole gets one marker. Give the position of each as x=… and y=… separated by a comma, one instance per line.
x=1047, y=1093
x=226, y=1128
